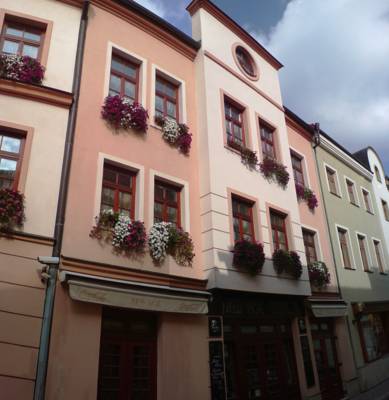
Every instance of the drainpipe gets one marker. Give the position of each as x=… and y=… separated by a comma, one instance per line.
x=316, y=143
x=52, y=263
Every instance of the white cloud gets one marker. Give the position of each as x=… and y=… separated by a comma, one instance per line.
x=336, y=70
x=155, y=6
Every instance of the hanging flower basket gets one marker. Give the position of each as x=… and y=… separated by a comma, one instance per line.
x=289, y=262
x=175, y=134
x=124, y=234
x=165, y=238
x=318, y=274
x=11, y=209
x=119, y=112
x=21, y=68
x=307, y=195
x=248, y=156
x=248, y=256
x=271, y=169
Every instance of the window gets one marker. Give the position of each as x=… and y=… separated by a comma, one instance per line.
x=366, y=200
x=118, y=192
x=21, y=39
x=351, y=191
x=342, y=234
x=166, y=99
x=331, y=176
x=167, y=203
x=386, y=209
x=11, y=150
x=373, y=335
x=234, y=123
x=297, y=164
x=245, y=61
x=267, y=141
x=377, y=249
x=278, y=227
x=363, y=251
x=377, y=174
x=242, y=211
x=124, y=78
x=310, y=247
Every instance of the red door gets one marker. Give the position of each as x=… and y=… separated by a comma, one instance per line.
x=326, y=360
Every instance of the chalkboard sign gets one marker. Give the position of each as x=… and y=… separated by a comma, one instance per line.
x=216, y=367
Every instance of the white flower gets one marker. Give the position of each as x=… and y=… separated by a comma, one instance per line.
x=11, y=65
x=158, y=240
x=170, y=130
x=121, y=230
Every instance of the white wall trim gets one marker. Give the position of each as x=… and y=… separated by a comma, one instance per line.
x=140, y=183
x=369, y=258
x=381, y=250
x=369, y=199
x=185, y=194
x=350, y=246
x=317, y=240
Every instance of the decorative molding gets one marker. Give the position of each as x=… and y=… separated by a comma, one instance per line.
x=207, y=5
x=41, y=94
x=27, y=237
x=241, y=78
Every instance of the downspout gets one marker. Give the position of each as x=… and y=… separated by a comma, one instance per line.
x=316, y=143
x=52, y=269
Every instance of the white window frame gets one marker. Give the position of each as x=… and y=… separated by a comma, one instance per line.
x=132, y=57
x=350, y=247
x=337, y=182
x=368, y=253
x=383, y=209
x=307, y=180
x=369, y=199
x=358, y=202
x=184, y=197
x=157, y=70
x=381, y=250
x=140, y=183
x=318, y=247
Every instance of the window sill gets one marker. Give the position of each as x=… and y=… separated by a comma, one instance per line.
x=232, y=149
x=155, y=126
x=384, y=273
x=370, y=212
x=355, y=204
x=350, y=268
x=369, y=271
x=336, y=195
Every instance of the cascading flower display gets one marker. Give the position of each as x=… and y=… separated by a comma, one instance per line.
x=158, y=241
x=11, y=209
x=271, y=169
x=248, y=156
x=22, y=68
x=318, y=274
x=121, y=113
x=287, y=261
x=248, y=256
x=174, y=133
x=307, y=195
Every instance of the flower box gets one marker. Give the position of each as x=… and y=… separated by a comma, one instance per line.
x=318, y=274
x=165, y=238
x=11, y=209
x=174, y=133
x=21, y=68
x=289, y=262
x=119, y=112
x=248, y=156
x=307, y=195
x=248, y=256
x=271, y=169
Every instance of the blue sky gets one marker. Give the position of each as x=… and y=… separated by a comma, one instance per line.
x=335, y=54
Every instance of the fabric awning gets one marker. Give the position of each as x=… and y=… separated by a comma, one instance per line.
x=330, y=309
x=133, y=295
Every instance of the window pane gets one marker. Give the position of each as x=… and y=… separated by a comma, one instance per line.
x=125, y=180
x=7, y=172
x=108, y=196
x=129, y=89
x=238, y=133
x=171, y=195
x=171, y=109
x=246, y=227
x=10, y=144
x=159, y=192
x=30, y=51
x=14, y=31
x=32, y=36
x=160, y=86
x=171, y=91
x=125, y=200
x=123, y=67
x=114, y=83
x=172, y=214
x=10, y=47
x=159, y=103
x=109, y=175
x=157, y=212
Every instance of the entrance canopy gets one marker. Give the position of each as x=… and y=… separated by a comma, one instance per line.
x=134, y=295
x=328, y=308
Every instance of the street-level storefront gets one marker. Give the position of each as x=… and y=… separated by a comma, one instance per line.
x=256, y=336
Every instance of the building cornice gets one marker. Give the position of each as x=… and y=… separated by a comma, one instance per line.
x=344, y=158
x=27, y=237
x=41, y=94
x=216, y=12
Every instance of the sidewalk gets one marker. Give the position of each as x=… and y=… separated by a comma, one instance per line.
x=379, y=392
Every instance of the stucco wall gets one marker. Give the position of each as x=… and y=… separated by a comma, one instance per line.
x=221, y=169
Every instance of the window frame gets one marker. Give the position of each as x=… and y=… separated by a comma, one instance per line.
x=348, y=243
x=118, y=188
x=377, y=174
x=300, y=158
x=272, y=143
x=313, y=234
x=385, y=209
x=379, y=256
x=241, y=110
x=123, y=77
x=165, y=204
x=176, y=101
x=242, y=217
x=284, y=217
x=367, y=267
x=367, y=200
x=332, y=171
x=354, y=191
x=4, y=131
